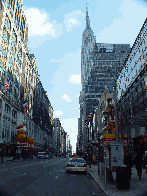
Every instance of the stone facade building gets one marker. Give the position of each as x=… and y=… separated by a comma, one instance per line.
x=19, y=81
x=132, y=91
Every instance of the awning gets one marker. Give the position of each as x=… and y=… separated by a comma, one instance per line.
x=20, y=126
x=106, y=110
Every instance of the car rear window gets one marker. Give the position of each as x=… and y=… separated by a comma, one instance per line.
x=77, y=160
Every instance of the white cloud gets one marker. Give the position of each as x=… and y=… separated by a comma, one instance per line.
x=121, y=28
x=72, y=67
x=40, y=29
x=75, y=79
x=66, y=98
x=72, y=20
x=58, y=113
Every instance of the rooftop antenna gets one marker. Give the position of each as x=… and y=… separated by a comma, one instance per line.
x=86, y=9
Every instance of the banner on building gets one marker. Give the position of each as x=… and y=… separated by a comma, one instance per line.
x=7, y=85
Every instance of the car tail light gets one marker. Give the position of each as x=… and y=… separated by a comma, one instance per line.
x=84, y=165
x=68, y=164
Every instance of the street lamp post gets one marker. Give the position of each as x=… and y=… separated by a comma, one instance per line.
x=98, y=138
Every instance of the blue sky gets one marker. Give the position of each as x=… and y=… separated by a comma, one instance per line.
x=55, y=38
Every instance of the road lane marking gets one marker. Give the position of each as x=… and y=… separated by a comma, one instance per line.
x=57, y=176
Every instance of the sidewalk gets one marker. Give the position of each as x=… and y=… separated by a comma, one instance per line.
x=7, y=160
x=137, y=187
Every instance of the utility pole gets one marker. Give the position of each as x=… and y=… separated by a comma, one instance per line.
x=98, y=138
x=115, y=111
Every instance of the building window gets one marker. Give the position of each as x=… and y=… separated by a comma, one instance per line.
x=14, y=114
x=7, y=108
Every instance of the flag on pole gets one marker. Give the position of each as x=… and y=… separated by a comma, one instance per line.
x=25, y=104
x=7, y=85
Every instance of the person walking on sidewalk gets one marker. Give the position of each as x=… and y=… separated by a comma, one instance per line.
x=2, y=157
x=90, y=160
x=138, y=161
x=128, y=162
x=145, y=163
x=94, y=158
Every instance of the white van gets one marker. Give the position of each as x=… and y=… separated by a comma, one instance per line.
x=41, y=155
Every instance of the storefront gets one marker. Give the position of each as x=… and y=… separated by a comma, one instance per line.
x=104, y=139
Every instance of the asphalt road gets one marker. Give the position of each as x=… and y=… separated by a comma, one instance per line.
x=45, y=178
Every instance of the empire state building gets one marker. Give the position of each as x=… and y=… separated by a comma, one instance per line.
x=100, y=64
x=88, y=42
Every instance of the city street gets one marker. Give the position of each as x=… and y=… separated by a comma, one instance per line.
x=43, y=178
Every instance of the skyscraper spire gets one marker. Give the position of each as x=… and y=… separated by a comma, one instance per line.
x=87, y=18
x=86, y=10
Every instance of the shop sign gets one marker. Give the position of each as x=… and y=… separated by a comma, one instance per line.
x=108, y=136
x=108, y=139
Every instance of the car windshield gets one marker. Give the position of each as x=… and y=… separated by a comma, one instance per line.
x=77, y=160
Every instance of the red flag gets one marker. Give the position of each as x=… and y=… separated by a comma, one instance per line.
x=7, y=85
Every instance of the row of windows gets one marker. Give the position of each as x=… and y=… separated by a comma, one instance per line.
x=134, y=99
x=7, y=109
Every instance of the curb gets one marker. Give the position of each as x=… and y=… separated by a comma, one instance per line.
x=98, y=183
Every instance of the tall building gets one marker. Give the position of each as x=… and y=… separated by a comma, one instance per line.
x=100, y=64
x=88, y=42
x=19, y=81
x=132, y=92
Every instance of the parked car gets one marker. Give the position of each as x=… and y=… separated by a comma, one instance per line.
x=40, y=155
x=76, y=164
x=46, y=156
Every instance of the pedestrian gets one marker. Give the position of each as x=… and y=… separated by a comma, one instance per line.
x=128, y=162
x=145, y=163
x=1, y=156
x=101, y=158
x=90, y=160
x=94, y=159
x=138, y=161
